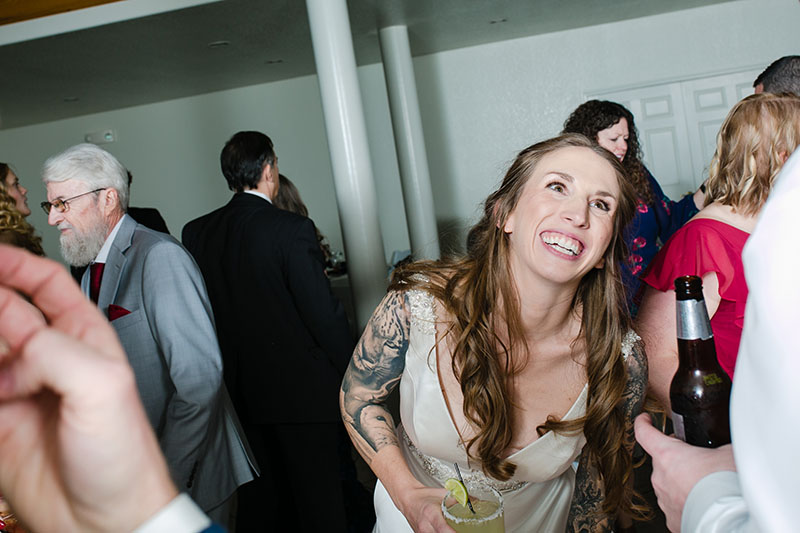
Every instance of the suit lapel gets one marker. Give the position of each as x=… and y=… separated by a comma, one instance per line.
x=115, y=262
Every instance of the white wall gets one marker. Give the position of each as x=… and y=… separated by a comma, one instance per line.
x=483, y=104
x=480, y=105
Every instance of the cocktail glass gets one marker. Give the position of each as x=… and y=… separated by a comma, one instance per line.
x=488, y=505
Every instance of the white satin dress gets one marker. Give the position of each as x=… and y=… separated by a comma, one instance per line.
x=536, y=499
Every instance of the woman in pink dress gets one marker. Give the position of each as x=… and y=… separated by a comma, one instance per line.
x=757, y=137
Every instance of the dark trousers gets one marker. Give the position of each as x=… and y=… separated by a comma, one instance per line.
x=300, y=488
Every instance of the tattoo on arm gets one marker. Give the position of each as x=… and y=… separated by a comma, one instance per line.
x=635, y=391
x=585, y=513
x=374, y=371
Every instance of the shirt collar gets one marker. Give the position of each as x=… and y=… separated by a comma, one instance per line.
x=261, y=194
x=103, y=255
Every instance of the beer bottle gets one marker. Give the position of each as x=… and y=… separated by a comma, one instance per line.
x=701, y=390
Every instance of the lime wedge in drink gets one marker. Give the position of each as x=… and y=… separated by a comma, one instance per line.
x=457, y=489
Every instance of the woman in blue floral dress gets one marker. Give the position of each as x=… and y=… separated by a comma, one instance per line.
x=657, y=217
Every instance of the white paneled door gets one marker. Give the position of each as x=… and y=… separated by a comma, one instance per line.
x=678, y=124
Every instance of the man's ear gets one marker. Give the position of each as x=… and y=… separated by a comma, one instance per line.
x=111, y=197
x=270, y=181
x=265, y=173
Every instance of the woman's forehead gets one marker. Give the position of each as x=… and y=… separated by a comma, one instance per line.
x=577, y=164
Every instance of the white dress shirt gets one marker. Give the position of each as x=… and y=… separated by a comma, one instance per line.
x=181, y=515
x=256, y=193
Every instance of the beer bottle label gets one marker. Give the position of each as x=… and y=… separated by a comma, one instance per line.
x=712, y=379
x=693, y=320
x=677, y=424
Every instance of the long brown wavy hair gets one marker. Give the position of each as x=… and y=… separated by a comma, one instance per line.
x=14, y=228
x=594, y=116
x=758, y=134
x=479, y=293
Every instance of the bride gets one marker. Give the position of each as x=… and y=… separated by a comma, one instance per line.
x=514, y=361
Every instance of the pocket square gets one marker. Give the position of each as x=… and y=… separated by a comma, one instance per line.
x=116, y=311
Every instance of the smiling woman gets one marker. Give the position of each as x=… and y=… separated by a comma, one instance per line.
x=513, y=361
x=566, y=210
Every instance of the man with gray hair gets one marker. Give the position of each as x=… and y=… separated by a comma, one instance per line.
x=782, y=76
x=153, y=293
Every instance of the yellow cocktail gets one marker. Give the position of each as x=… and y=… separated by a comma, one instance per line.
x=487, y=518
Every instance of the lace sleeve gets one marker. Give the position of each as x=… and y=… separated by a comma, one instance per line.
x=423, y=316
x=628, y=342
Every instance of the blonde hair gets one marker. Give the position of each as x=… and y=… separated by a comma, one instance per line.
x=758, y=134
x=471, y=288
x=14, y=228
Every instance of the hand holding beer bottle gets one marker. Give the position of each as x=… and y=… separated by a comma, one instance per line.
x=700, y=391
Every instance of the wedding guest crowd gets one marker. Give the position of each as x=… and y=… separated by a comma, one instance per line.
x=202, y=388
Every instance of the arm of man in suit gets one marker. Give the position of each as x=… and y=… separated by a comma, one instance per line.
x=180, y=319
x=322, y=313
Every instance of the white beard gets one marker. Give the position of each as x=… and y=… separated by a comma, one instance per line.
x=80, y=249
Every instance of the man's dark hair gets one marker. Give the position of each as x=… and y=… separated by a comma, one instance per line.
x=782, y=76
x=243, y=159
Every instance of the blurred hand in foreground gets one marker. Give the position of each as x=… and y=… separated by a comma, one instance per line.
x=76, y=450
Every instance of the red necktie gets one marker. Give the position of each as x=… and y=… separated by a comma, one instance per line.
x=95, y=277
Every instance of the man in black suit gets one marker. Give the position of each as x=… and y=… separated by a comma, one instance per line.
x=285, y=343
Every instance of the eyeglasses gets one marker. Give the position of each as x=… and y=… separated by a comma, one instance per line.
x=62, y=206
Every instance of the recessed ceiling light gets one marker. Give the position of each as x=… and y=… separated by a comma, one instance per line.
x=71, y=98
x=218, y=44
x=273, y=61
x=498, y=21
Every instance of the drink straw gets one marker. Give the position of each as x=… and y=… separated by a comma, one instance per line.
x=461, y=479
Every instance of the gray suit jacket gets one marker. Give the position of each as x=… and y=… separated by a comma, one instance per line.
x=171, y=343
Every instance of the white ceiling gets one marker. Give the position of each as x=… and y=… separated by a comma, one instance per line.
x=48, y=75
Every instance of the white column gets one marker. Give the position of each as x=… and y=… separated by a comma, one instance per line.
x=347, y=142
x=409, y=141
